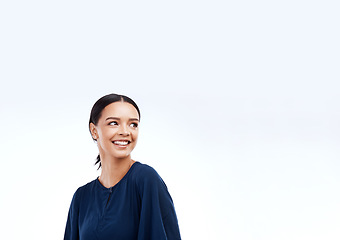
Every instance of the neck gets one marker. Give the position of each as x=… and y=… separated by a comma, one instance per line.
x=113, y=170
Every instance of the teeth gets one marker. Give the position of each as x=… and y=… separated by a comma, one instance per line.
x=121, y=142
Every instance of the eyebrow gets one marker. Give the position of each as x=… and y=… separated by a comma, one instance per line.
x=115, y=118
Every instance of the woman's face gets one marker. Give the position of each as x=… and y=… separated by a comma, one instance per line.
x=117, y=130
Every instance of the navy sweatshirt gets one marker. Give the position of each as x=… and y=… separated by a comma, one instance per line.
x=138, y=207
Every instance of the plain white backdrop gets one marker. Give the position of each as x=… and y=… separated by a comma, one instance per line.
x=239, y=111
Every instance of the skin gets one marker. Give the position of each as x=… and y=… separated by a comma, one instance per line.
x=118, y=121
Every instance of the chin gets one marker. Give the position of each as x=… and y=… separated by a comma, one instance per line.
x=121, y=156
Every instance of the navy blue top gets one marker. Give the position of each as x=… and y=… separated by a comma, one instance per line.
x=138, y=207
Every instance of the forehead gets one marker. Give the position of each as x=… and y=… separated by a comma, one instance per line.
x=120, y=110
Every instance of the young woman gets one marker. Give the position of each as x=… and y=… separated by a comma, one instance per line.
x=129, y=200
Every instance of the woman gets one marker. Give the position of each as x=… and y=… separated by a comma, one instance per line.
x=129, y=200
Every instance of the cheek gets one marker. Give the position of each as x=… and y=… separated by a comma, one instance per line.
x=135, y=135
x=108, y=133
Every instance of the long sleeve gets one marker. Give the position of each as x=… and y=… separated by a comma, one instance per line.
x=158, y=220
x=72, y=229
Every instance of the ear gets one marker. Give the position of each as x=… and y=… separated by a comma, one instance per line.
x=93, y=131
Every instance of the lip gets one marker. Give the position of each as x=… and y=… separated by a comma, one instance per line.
x=122, y=140
x=121, y=146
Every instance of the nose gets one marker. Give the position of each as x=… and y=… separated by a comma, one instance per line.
x=123, y=131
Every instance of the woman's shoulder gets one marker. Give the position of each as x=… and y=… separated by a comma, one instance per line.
x=148, y=181
x=84, y=188
x=87, y=185
x=145, y=171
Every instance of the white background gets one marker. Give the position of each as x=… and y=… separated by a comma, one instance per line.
x=239, y=110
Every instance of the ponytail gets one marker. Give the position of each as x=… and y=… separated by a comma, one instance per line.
x=98, y=161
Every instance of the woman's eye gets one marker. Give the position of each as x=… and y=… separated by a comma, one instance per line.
x=134, y=125
x=113, y=123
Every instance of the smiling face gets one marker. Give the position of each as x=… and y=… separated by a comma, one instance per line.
x=116, y=132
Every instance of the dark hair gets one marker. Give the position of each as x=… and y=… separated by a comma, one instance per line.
x=102, y=102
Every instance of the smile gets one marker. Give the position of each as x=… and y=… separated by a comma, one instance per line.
x=121, y=142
